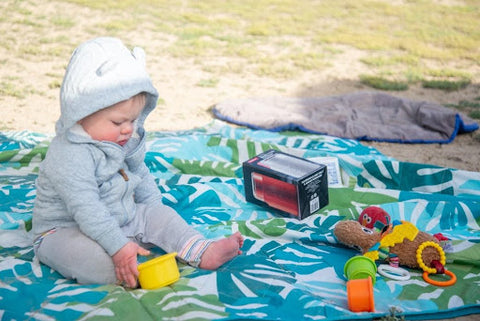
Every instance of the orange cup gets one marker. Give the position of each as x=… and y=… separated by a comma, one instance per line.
x=360, y=295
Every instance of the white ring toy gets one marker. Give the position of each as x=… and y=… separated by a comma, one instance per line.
x=394, y=273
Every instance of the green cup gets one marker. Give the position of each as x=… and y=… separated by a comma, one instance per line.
x=360, y=267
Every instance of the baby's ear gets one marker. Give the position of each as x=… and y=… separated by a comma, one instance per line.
x=139, y=55
x=107, y=66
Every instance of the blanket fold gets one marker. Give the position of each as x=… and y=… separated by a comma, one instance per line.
x=363, y=115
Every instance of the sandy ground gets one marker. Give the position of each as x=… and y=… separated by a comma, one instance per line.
x=187, y=105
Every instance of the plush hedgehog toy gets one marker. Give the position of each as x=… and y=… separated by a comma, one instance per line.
x=400, y=240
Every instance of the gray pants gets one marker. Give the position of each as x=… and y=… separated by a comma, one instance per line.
x=76, y=256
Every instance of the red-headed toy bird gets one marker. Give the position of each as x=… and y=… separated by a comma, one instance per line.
x=374, y=217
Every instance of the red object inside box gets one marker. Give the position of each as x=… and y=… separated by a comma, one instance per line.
x=276, y=193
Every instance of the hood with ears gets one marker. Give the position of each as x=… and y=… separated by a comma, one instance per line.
x=101, y=73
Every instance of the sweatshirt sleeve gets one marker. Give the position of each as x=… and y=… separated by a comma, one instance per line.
x=147, y=191
x=71, y=170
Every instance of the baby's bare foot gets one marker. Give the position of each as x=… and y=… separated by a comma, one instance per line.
x=221, y=251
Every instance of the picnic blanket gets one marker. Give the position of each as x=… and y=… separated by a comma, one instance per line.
x=290, y=269
x=370, y=116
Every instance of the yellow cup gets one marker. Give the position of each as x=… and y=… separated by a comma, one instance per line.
x=158, y=272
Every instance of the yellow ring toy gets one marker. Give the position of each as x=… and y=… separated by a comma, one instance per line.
x=427, y=270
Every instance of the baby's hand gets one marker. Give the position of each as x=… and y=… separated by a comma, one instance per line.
x=125, y=261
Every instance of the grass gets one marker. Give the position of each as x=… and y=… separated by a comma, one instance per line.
x=471, y=108
x=412, y=43
x=382, y=83
x=8, y=88
x=447, y=85
x=393, y=316
x=208, y=83
x=475, y=114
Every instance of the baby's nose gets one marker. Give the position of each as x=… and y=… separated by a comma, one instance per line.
x=127, y=128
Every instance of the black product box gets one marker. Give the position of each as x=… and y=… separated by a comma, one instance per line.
x=292, y=184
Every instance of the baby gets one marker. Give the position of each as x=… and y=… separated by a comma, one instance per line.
x=97, y=205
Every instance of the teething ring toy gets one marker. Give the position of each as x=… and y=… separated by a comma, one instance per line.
x=452, y=280
x=394, y=273
x=427, y=270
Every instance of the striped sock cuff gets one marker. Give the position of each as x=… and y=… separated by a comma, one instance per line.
x=193, y=250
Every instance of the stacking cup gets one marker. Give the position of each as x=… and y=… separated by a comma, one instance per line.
x=360, y=267
x=360, y=295
x=158, y=272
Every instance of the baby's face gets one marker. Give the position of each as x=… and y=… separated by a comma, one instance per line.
x=114, y=123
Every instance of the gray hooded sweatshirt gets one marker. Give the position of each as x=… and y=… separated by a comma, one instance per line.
x=79, y=182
